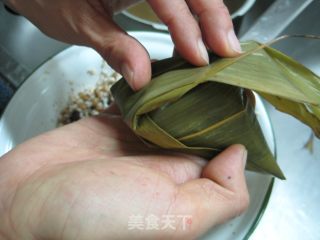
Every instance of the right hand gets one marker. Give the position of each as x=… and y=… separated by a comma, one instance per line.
x=90, y=23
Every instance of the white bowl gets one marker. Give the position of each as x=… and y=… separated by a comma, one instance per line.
x=35, y=109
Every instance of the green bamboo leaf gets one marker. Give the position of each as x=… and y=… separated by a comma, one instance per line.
x=301, y=111
x=203, y=110
x=269, y=71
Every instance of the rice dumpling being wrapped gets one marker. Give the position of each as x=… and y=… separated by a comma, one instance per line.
x=203, y=110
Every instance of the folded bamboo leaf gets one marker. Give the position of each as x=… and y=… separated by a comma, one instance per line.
x=308, y=116
x=203, y=110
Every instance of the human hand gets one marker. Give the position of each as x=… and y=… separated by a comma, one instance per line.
x=87, y=179
x=89, y=22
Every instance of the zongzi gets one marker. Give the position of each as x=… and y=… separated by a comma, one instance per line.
x=203, y=110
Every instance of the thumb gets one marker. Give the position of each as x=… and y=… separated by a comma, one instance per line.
x=121, y=51
x=220, y=194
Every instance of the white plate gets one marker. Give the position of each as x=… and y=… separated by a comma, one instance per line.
x=35, y=108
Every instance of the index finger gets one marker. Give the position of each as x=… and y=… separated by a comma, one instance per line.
x=216, y=26
x=184, y=29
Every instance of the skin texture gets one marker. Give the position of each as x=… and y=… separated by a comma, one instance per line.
x=85, y=180
x=89, y=22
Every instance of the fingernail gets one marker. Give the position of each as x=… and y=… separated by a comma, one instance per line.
x=128, y=74
x=203, y=51
x=234, y=42
x=244, y=157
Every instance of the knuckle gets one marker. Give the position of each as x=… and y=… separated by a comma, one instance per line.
x=108, y=50
x=173, y=19
x=221, y=8
x=109, y=46
x=215, y=11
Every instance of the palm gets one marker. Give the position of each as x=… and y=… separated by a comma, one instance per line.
x=86, y=179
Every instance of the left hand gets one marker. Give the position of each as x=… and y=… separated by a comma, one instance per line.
x=85, y=180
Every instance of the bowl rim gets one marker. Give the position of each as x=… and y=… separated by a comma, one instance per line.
x=246, y=6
